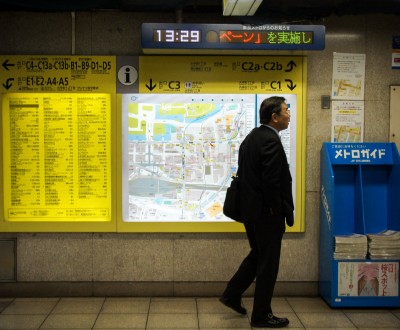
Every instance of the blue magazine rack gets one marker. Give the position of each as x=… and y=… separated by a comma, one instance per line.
x=360, y=193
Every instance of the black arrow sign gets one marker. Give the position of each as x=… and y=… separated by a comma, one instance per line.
x=8, y=84
x=6, y=65
x=151, y=86
x=290, y=84
x=290, y=66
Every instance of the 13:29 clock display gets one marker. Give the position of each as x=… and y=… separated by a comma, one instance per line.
x=182, y=37
x=176, y=35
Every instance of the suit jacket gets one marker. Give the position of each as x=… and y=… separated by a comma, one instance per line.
x=265, y=180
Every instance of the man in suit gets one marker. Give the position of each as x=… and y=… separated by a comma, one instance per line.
x=265, y=202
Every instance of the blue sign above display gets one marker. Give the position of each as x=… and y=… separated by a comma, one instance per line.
x=232, y=36
x=360, y=153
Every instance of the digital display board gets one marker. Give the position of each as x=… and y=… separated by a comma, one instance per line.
x=158, y=36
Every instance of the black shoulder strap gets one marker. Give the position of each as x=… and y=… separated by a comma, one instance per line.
x=240, y=161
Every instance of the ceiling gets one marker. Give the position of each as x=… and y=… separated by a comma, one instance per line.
x=278, y=10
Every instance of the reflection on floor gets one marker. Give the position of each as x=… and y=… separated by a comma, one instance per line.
x=180, y=313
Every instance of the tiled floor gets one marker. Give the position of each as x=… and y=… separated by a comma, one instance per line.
x=180, y=313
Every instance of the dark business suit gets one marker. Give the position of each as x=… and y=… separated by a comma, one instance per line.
x=265, y=200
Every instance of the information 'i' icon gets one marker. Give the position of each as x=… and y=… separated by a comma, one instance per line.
x=127, y=75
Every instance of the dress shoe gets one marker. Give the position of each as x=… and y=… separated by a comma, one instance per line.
x=270, y=321
x=234, y=304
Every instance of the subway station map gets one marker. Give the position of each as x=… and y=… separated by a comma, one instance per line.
x=347, y=88
x=180, y=152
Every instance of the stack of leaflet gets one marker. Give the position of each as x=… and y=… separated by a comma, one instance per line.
x=353, y=246
x=384, y=245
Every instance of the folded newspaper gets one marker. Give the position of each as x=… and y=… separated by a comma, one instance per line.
x=352, y=246
x=384, y=245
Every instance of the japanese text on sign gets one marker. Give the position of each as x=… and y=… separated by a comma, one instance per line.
x=363, y=154
x=270, y=37
x=385, y=270
x=57, y=156
x=40, y=73
x=350, y=153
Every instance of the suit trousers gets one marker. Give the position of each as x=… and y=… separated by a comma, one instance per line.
x=262, y=264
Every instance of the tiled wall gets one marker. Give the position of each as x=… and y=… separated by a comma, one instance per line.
x=166, y=264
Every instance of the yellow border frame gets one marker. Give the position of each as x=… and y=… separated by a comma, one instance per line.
x=117, y=225
x=188, y=227
x=65, y=226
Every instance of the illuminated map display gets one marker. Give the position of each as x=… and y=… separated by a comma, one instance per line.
x=179, y=152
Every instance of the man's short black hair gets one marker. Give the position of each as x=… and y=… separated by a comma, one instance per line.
x=269, y=106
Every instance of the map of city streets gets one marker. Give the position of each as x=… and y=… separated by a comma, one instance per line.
x=179, y=153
